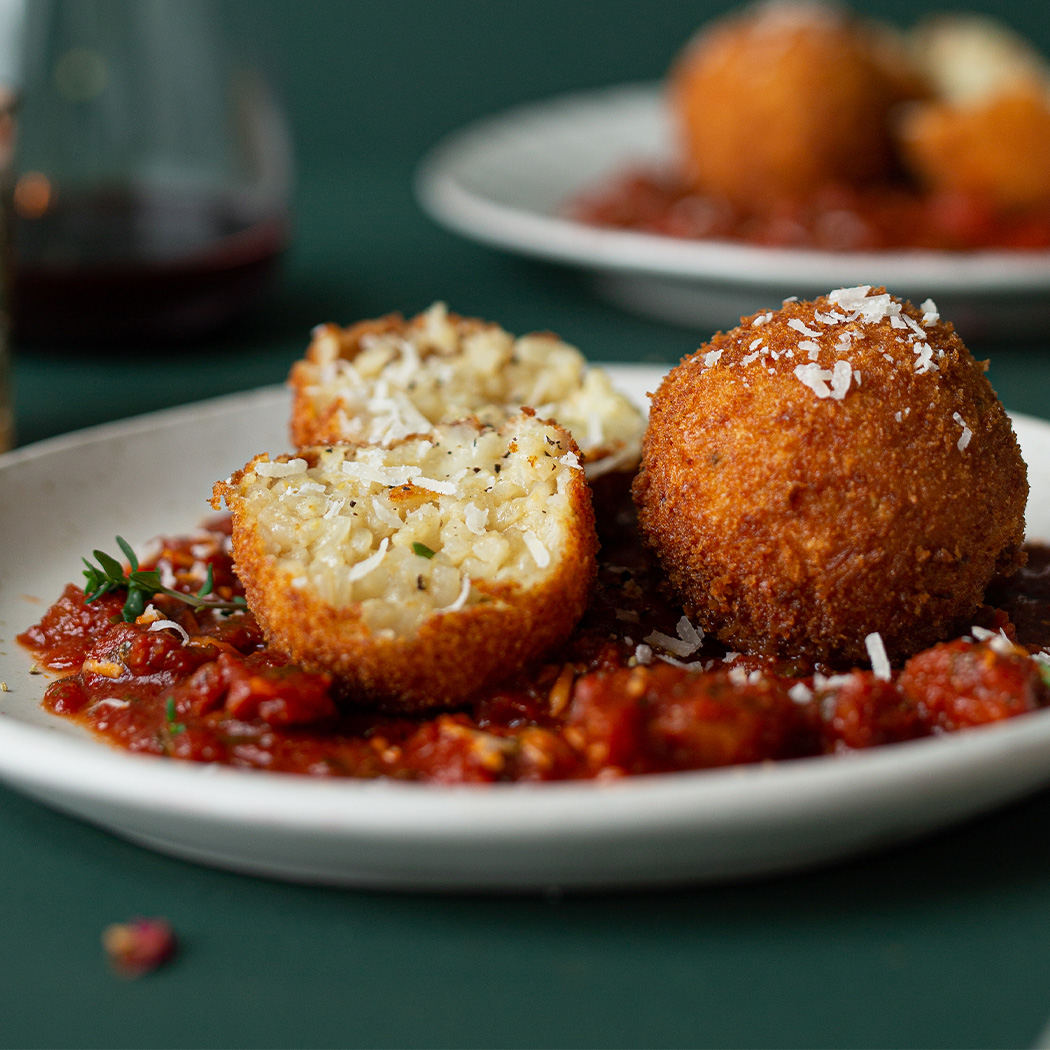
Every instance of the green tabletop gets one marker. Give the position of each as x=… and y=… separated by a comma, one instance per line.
x=945, y=942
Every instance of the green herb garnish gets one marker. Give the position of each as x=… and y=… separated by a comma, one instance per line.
x=174, y=726
x=1043, y=667
x=422, y=550
x=109, y=576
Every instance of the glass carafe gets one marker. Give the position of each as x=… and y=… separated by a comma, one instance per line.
x=152, y=175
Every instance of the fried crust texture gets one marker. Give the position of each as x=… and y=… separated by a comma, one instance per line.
x=421, y=573
x=829, y=470
x=985, y=131
x=381, y=380
x=778, y=100
x=996, y=149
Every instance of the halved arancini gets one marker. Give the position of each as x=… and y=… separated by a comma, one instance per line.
x=421, y=573
x=379, y=381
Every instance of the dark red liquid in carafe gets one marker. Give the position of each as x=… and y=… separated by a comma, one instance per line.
x=131, y=267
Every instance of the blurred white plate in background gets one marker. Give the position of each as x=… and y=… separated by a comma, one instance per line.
x=505, y=180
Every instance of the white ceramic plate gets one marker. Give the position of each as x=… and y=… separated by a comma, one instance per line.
x=504, y=180
x=151, y=476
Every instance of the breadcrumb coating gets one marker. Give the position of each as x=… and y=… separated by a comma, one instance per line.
x=779, y=100
x=379, y=381
x=420, y=573
x=985, y=132
x=830, y=470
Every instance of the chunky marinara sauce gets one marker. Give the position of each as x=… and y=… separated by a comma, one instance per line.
x=838, y=218
x=615, y=699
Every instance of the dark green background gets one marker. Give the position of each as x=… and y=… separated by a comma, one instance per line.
x=943, y=943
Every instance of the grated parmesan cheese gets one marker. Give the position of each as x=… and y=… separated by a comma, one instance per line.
x=476, y=518
x=997, y=640
x=924, y=361
x=333, y=507
x=815, y=377
x=170, y=625
x=689, y=638
x=914, y=326
x=880, y=663
x=377, y=474
x=688, y=633
x=672, y=645
x=461, y=598
x=363, y=568
x=965, y=436
x=800, y=326
x=841, y=376
x=540, y=555
x=280, y=470
x=447, y=488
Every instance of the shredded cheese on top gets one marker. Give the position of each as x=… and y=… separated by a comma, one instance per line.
x=170, y=625
x=880, y=664
x=280, y=470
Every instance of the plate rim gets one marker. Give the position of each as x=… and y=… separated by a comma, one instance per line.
x=756, y=784
x=443, y=195
x=118, y=790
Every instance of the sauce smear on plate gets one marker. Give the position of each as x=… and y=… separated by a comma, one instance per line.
x=634, y=690
x=880, y=217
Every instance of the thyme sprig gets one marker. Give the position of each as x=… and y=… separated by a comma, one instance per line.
x=172, y=718
x=142, y=585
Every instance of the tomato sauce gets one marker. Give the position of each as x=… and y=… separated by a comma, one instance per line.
x=205, y=687
x=838, y=218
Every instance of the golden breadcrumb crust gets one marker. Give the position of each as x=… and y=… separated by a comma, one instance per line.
x=793, y=524
x=778, y=100
x=984, y=132
x=451, y=654
x=438, y=367
x=997, y=149
x=317, y=422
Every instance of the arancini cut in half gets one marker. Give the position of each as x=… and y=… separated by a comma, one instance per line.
x=379, y=381
x=829, y=471
x=421, y=573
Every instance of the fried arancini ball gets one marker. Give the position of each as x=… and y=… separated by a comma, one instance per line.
x=965, y=57
x=381, y=380
x=781, y=99
x=829, y=471
x=998, y=149
x=420, y=573
x=987, y=130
